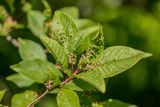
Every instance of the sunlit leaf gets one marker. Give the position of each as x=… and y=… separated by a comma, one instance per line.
x=20, y=80
x=23, y=99
x=94, y=78
x=68, y=34
x=36, y=22
x=117, y=59
x=67, y=98
x=31, y=50
x=38, y=70
x=56, y=50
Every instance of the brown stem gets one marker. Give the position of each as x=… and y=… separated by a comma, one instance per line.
x=65, y=81
x=38, y=99
x=77, y=71
x=47, y=90
x=69, y=78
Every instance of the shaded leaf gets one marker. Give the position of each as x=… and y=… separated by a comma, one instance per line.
x=67, y=98
x=113, y=103
x=55, y=90
x=71, y=11
x=92, y=37
x=89, y=36
x=94, y=78
x=36, y=22
x=83, y=85
x=71, y=85
x=20, y=80
x=23, y=99
x=2, y=92
x=79, y=85
x=92, y=45
x=56, y=50
x=68, y=34
x=85, y=100
x=117, y=59
x=31, y=50
x=82, y=24
x=38, y=70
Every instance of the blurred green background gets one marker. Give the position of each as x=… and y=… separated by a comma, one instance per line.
x=133, y=23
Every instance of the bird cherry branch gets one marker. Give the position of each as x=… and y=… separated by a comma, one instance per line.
x=48, y=88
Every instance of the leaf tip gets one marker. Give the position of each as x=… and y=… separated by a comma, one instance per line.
x=147, y=55
x=14, y=67
x=57, y=12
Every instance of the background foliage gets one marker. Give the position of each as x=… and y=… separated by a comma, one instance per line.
x=133, y=23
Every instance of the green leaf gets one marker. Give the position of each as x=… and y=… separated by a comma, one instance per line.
x=31, y=50
x=88, y=28
x=94, y=78
x=36, y=22
x=92, y=36
x=20, y=80
x=54, y=91
x=38, y=70
x=78, y=85
x=91, y=32
x=67, y=98
x=89, y=36
x=117, y=59
x=2, y=92
x=113, y=103
x=85, y=99
x=48, y=10
x=68, y=34
x=71, y=11
x=71, y=85
x=82, y=24
x=56, y=50
x=23, y=99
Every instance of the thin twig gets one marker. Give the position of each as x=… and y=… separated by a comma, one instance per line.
x=38, y=99
x=65, y=81
x=47, y=90
x=77, y=71
x=69, y=78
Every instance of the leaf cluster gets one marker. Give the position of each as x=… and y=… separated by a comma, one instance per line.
x=82, y=63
